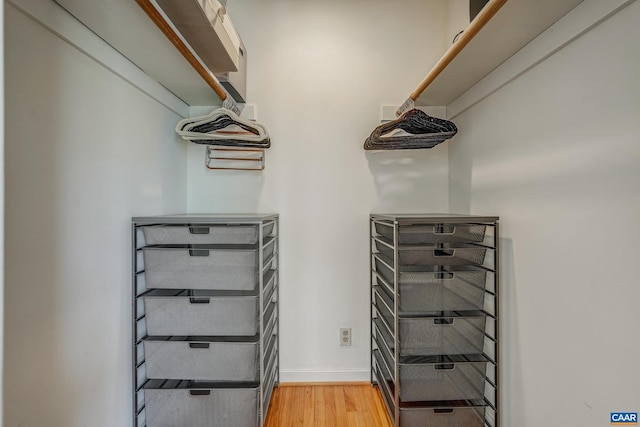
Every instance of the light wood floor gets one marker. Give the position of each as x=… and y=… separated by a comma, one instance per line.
x=333, y=405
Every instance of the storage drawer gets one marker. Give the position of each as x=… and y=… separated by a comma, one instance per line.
x=445, y=292
x=442, y=335
x=200, y=313
x=442, y=417
x=202, y=406
x=269, y=314
x=202, y=360
x=439, y=233
x=386, y=386
x=189, y=268
x=429, y=255
x=268, y=392
x=383, y=354
x=233, y=234
x=270, y=355
x=442, y=380
x=452, y=290
x=269, y=285
x=384, y=306
x=270, y=325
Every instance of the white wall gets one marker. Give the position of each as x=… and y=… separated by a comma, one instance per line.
x=555, y=153
x=85, y=151
x=319, y=73
x=1, y=199
x=457, y=18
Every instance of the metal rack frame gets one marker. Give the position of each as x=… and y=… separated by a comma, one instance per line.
x=269, y=367
x=491, y=338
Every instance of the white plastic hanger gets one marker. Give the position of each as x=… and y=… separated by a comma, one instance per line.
x=232, y=127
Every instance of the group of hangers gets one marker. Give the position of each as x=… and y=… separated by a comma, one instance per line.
x=414, y=129
x=232, y=142
x=223, y=127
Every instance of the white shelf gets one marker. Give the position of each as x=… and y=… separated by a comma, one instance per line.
x=514, y=26
x=125, y=26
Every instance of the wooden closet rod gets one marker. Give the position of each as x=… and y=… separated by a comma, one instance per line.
x=168, y=31
x=485, y=15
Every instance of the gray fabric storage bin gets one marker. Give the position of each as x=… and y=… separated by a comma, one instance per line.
x=436, y=233
x=384, y=306
x=196, y=268
x=202, y=360
x=204, y=234
x=435, y=335
x=442, y=381
x=271, y=346
x=442, y=335
x=384, y=348
x=200, y=407
x=429, y=255
x=269, y=315
x=202, y=315
x=439, y=294
x=385, y=385
x=269, y=285
x=442, y=417
x=422, y=291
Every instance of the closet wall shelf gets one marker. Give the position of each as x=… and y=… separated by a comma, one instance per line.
x=514, y=25
x=125, y=26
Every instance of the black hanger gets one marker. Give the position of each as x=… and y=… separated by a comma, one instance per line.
x=216, y=129
x=423, y=131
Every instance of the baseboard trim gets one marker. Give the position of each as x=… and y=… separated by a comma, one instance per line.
x=326, y=383
x=316, y=377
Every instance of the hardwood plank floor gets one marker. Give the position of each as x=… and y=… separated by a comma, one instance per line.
x=327, y=405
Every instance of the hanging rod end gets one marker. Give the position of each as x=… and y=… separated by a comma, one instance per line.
x=231, y=105
x=409, y=104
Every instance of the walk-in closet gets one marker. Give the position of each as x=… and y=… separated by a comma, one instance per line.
x=261, y=213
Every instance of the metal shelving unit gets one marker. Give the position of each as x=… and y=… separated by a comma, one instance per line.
x=434, y=318
x=205, y=319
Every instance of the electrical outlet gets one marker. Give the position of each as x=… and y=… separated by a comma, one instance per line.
x=345, y=337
